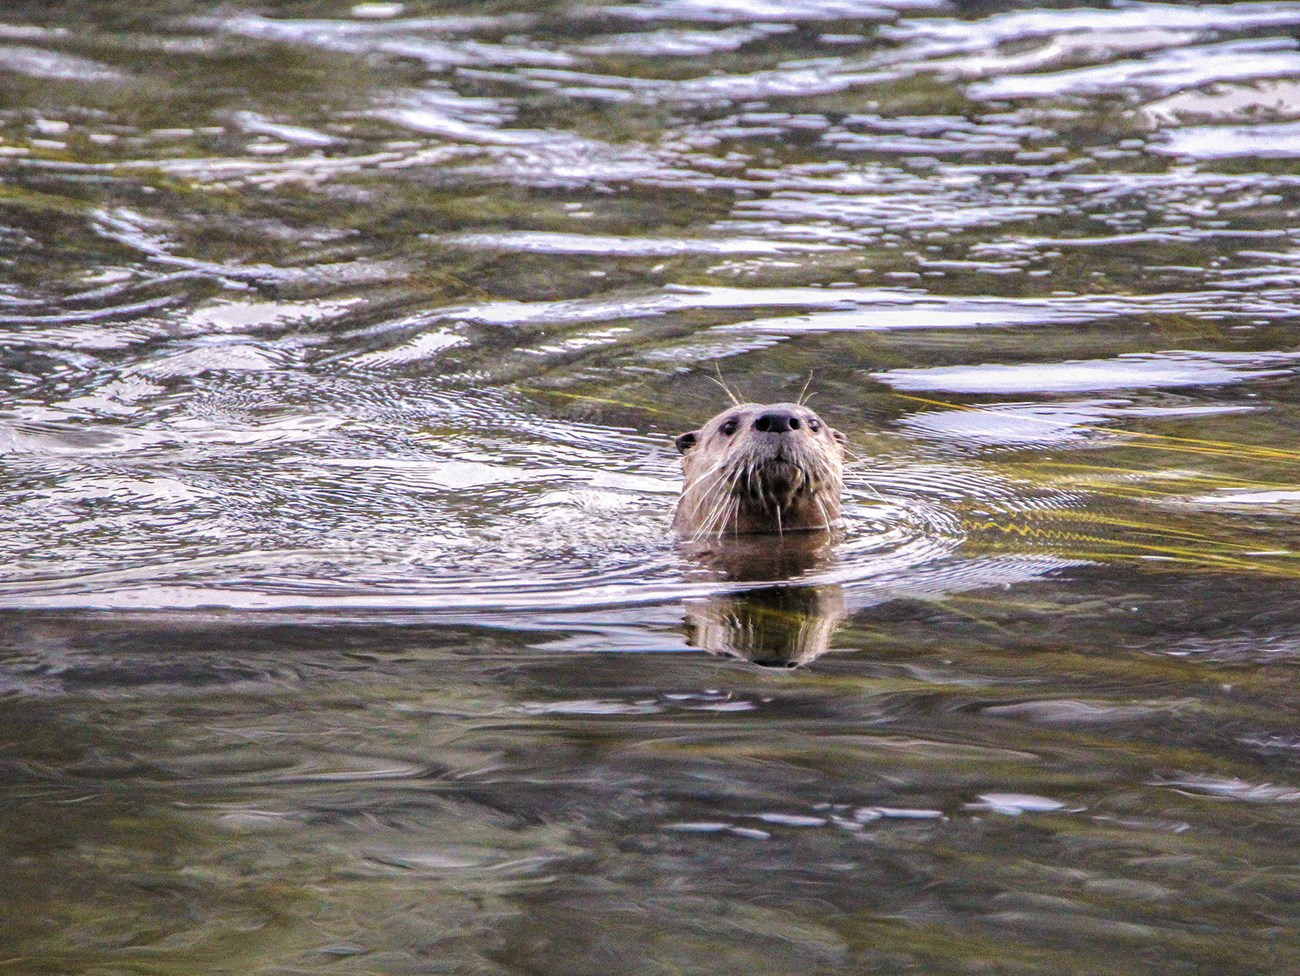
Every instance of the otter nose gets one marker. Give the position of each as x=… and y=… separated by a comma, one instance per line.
x=776, y=422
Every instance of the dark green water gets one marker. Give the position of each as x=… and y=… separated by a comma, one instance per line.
x=341, y=352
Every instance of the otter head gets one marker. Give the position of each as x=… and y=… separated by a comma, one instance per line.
x=773, y=467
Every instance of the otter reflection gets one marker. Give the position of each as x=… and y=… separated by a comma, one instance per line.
x=782, y=625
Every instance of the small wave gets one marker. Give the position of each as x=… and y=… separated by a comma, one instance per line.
x=1021, y=25
x=36, y=62
x=1280, y=140
x=418, y=39
x=680, y=43
x=1137, y=371
x=1161, y=73
x=750, y=11
x=538, y=242
x=570, y=535
x=1231, y=789
x=1072, y=422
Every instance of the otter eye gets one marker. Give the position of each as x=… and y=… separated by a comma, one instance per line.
x=729, y=427
x=814, y=425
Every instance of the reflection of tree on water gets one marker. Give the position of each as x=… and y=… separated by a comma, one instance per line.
x=786, y=624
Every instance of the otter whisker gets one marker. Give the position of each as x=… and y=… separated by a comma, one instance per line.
x=711, y=525
x=714, y=480
x=703, y=499
x=862, y=460
x=874, y=490
x=735, y=400
x=716, y=466
x=714, y=503
x=718, y=499
x=826, y=519
x=718, y=515
x=703, y=525
x=803, y=393
x=730, y=517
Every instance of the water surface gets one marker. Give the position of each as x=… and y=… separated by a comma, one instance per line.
x=341, y=352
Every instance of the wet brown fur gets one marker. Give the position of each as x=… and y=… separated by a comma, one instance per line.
x=754, y=481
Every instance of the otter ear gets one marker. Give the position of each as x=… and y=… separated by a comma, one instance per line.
x=688, y=440
x=839, y=436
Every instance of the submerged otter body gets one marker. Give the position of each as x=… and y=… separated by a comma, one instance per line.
x=758, y=468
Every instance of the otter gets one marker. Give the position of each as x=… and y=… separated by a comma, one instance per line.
x=755, y=468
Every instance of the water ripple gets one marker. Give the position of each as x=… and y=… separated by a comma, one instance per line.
x=341, y=357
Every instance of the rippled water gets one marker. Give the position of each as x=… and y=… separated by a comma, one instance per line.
x=341, y=352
